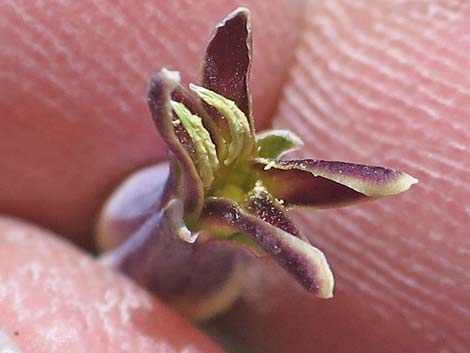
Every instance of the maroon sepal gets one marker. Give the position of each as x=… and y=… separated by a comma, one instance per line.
x=306, y=263
x=161, y=88
x=227, y=65
x=324, y=184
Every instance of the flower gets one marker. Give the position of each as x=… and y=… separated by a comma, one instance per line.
x=230, y=188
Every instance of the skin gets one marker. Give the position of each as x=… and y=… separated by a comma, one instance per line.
x=382, y=83
x=54, y=298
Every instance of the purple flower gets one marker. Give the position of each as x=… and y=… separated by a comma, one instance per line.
x=228, y=188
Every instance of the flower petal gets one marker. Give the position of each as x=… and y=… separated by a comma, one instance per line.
x=178, y=141
x=227, y=64
x=241, y=139
x=306, y=263
x=317, y=183
x=194, y=105
x=263, y=205
x=276, y=143
x=205, y=150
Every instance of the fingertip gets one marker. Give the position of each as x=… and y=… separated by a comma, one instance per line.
x=60, y=300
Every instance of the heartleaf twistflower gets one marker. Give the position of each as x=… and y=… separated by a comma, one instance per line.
x=229, y=189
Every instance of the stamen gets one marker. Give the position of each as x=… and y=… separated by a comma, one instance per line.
x=236, y=119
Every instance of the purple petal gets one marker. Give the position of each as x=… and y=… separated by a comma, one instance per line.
x=264, y=206
x=306, y=263
x=179, y=143
x=227, y=64
x=180, y=94
x=323, y=184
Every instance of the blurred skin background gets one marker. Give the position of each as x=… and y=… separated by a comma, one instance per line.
x=383, y=83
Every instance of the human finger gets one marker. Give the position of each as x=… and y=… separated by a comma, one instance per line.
x=54, y=298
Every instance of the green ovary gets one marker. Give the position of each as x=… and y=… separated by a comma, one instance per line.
x=234, y=182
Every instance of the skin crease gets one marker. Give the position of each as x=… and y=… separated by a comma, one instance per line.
x=383, y=83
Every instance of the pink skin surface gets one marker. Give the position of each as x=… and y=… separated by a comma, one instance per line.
x=53, y=298
x=373, y=82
